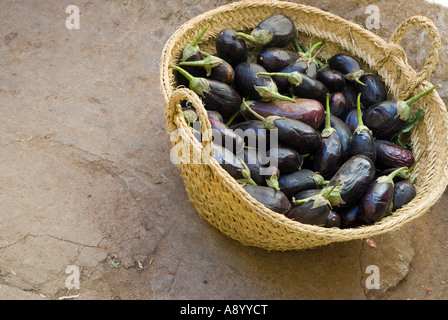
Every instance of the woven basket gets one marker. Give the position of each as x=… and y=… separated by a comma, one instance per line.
x=221, y=201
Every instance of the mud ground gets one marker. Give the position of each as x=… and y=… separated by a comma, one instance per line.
x=86, y=181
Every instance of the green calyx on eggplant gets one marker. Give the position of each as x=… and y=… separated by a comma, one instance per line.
x=404, y=192
x=230, y=47
x=271, y=198
x=374, y=90
x=391, y=155
x=334, y=80
x=403, y=175
x=250, y=156
x=216, y=68
x=192, y=51
x=271, y=175
x=355, y=176
x=329, y=154
x=297, y=181
x=303, y=85
x=351, y=119
x=388, y=118
x=278, y=30
x=274, y=59
x=254, y=87
x=309, y=111
x=377, y=201
x=216, y=95
x=293, y=133
x=348, y=65
x=362, y=139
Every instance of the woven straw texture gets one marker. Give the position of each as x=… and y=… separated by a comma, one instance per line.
x=221, y=201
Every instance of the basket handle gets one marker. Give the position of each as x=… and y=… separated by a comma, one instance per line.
x=433, y=57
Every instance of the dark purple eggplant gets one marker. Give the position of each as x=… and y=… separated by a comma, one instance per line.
x=230, y=47
x=362, y=139
x=305, y=194
x=278, y=30
x=234, y=165
x=328, y=157
x=216, y=68
x=226, y=137
x=403, y=175
x=344, y=134
x=271, y=198
x=334, y=80
x=216, y=95
x=255, y=87
x=293, y=133
x=333, y=220
x=391, y=155
x=214, y=115
x=338, y=105
x=254, y=133
x=388, y=118
x=351, y=119
x=349, y=217
x=250, y=156
x=309, y=111
x=374, y=90
x=355, y=176
x=404, y=192
x=287, y=159
x=378, y=199
x=350, y=95
x=297, y=181
x=275, y=59
x=303, y=86
x=271, y=175
x=348, y=65
x=301, y=66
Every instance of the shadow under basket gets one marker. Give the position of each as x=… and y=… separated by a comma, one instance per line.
x=221, y=201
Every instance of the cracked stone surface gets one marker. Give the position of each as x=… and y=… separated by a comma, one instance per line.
x=86, y=181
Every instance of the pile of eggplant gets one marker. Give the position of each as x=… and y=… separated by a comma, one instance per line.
x=343, y=157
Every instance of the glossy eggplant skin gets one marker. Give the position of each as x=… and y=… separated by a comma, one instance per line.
x=215, y=115
x=350, y=96
x=305, y=194
x=334, y=80
x=283, y=29
x=222, y=98
x=288, y=160
x=350, y=217
x=229, y=162
x=226, y=137
x=251, y=158
x=404, y=192
x=194, y=71
x=230, y=47
x=391, y=155
x=374, y=90
x=308, y=213
x=253, y=132
x=328, y=156
x=363, y=143
x=310, y=69
x=275, y=59
x=351, y=119
x=223, y=72
x=383, y=119
x=271, y=198
x=344, y=134
x=344, y=63
x=308, y=111
x=311, y=88
x=355, y=176
x=295, y=182
x=376, y=202
x=338, y=104
x=333, y=220
x=297, y=135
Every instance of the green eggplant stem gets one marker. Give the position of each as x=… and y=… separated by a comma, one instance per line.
x=182, y=72
x=201, y=34
x=424, y=93
x=393, y=174
x=311, y=50
x=328, y=130
x=297, y=46
x=294, y=78
x=232, y=118
x=245, y=106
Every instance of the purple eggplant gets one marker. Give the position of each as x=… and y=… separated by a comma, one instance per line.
x=348, y=65
x=344, y=134
x=275, y=59
x=333, y=220
x=350, y=96
x=297, y=181
x=255, y=87
x=253, y=132
x=216, y=95
x=334, y=80
x=271, y=198
x=233, y=164
x=351, y=119
x=278, y=30
x=374, y=90
x=349, y=217
x=215, y=115
x=388, y=118
x=362, y=139
x=404, y=192
x=338, y=105
x=378, y=199
x=226, y=137
x=216, y=68
x=251, y=158
x=288, y=160
x=328, y=157
x=271, y=175
x=230, y=47
x=391, y=155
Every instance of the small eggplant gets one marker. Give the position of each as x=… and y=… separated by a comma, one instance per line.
x=234, y=165
x=329, y=155
x=293, y=133
x=362, y=139
x=388, y=118
x=350, y=217
x=404, y=192
x=275, y=59
x=278, y=30
x=338, y=105
x=271, y=175
x=295, y=182
x=333, y=220
x=301, y=66
x=350, y=95
x=253, y=132
x=348, y=65
x=251, y=159
x=355, y=175
x=216, y=68
x=226, y=137
x=391, y=155
x=374, y=90
x=307, y=194
x=271, y=198
x=216, y=95
x=334, y=80
x=351, y=119
x=230, y=47
x=256, y=87
x=344, y=134
x=308, y=111
x=378, y=198
x=303, y=86
x=288, y=160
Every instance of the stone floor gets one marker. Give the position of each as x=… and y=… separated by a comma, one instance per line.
x=86, y=181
